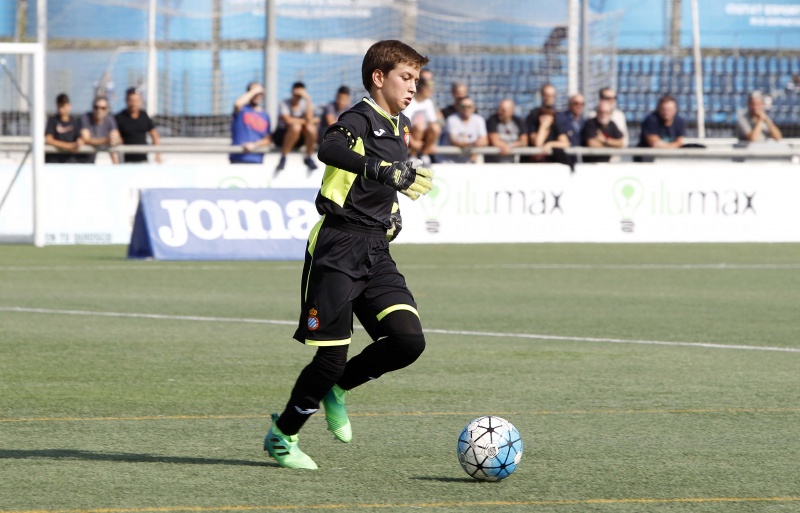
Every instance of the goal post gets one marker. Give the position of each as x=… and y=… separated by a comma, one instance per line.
x=23, y=80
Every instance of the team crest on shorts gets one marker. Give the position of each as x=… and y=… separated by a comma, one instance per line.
x=406, y=136
x=313, y=320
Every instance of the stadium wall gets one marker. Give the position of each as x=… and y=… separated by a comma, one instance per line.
x=669, y=201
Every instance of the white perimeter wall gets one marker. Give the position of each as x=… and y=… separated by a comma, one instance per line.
x=677, y=201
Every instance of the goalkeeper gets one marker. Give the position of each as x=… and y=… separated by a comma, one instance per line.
x=348, y=269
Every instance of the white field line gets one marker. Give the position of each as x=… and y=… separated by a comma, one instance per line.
x=492, y=334
x=284, y=267
x=290, y=267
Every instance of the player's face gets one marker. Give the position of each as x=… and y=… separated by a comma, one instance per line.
x=399, y=86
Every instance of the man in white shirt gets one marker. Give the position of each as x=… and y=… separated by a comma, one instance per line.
x=466, y=130
x=425, y=127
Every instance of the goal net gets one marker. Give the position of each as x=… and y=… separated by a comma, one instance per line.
x=208, y=51
x=21, y=141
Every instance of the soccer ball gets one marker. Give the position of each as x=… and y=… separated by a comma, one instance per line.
x=489, y=448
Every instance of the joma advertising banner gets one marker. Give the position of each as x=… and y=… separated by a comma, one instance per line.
x=223, y=224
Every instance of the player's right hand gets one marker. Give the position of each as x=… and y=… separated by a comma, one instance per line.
x=409, y=178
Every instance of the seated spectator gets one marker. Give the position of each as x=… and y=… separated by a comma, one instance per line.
x=296, y=126
x=662, y=128
x=546, y=136
x=63, y=132
x=459, y=92
x=135, y=125
x=601, y=132
x=506, y=131
x=332, y=111
x=466, y=130
x=98, y=129
x=570, y=122
x=617, y=116
x=425, y=127
x=548, y=94
x=250, y=125
x=753, y=124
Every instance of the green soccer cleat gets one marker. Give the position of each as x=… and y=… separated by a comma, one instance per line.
x=336, y=414
x=285, y=450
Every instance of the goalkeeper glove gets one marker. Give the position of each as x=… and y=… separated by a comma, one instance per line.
x=396, y=222
x=409, y=178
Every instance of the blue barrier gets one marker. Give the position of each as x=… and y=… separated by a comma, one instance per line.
x=223, y=224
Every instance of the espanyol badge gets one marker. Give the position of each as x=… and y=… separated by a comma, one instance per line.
x=406, y=136
x=313, y=320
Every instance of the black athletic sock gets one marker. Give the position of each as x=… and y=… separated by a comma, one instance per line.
x=386, y=355
x=313, y=383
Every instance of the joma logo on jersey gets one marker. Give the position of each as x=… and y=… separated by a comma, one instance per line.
x=236, y=220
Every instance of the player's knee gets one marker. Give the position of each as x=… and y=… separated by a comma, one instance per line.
x=331, y=360
x=406, y=349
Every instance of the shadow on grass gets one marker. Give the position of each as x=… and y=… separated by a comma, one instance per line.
x=446, y=479
x=74, y=454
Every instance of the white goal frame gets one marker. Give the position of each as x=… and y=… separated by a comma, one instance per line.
x=36, y=51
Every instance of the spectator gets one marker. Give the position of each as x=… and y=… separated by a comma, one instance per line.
x=532, y=123
x=249, y=125
x=296, y=126
x=333, y=110
x=506, y=131
x=547, y=137
x=426, y=74
x=753, y=124
x=548, y=93
x=617, y=116
x=134, y=125
x=570, y=122
x=459, y=92
x=466, y=130
x=425, y=127
x=98, y=129
x=63, y=132
x=663, y=128
x=601, y=132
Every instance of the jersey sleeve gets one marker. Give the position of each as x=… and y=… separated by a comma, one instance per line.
x=337, y=146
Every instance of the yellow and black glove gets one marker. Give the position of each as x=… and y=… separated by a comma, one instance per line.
x=396, y=221
x=409, y=178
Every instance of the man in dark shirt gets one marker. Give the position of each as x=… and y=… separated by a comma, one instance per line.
x=570, y=122
x=506, y=131
x=548, y=93
x=99, y=129
x=662, y=128
x=601, y=132
x=134, y=124
x=63, y=132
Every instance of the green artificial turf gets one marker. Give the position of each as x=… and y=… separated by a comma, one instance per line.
x=143, y=386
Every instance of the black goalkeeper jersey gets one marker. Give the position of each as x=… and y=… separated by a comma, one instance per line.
x=364, y=131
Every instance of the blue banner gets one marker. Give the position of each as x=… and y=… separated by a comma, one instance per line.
x=223, y=224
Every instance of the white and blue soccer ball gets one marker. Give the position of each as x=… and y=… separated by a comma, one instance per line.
x=489, y=448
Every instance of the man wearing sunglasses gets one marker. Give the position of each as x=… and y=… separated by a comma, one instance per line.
x=98, y=129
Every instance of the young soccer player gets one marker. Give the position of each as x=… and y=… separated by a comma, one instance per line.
x=348, y=269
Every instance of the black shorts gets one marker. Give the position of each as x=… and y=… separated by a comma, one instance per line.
x=348, y=270
x=278, y=136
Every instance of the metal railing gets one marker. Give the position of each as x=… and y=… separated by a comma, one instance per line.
x=786, y=150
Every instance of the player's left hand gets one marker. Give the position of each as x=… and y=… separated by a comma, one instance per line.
x=396, y=221
x=423, y=181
